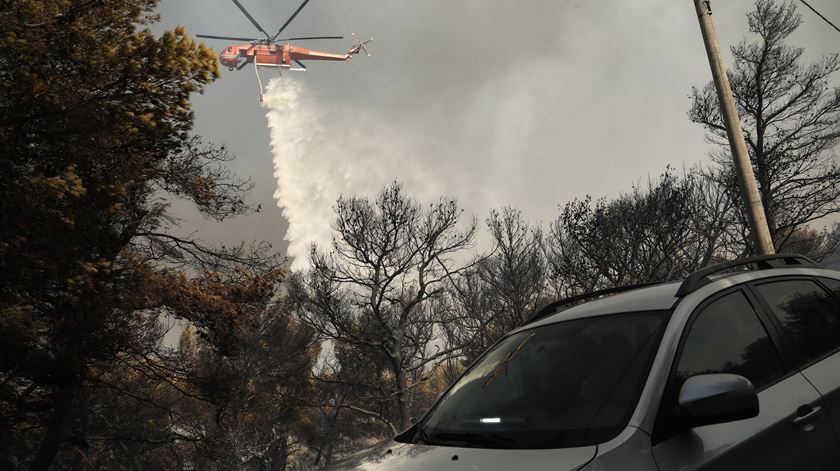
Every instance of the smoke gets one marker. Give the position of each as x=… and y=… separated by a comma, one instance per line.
x=563, y=108
x=531, y=121
x=316, y=160
x=503, y=144
x=323, y=150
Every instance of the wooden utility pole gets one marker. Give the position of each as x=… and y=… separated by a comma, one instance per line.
x=740, y=155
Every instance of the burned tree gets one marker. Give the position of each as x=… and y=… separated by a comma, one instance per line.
x=662, y=232
x=389, y=261
x=790, y=116
x=90, y=258
x=504, y=288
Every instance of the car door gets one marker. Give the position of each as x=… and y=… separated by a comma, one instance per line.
x=727, y=335
x=808, y=315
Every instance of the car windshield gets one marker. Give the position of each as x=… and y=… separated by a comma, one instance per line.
x=568, y=384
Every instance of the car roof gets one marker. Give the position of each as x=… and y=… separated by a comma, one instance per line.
x=665, y=296
x=652, y=298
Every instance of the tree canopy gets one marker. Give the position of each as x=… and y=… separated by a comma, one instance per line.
x=95, y=132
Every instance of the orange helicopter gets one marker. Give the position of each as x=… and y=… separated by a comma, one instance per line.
x=273, y=52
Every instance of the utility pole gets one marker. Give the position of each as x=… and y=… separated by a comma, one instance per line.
x=740, y=155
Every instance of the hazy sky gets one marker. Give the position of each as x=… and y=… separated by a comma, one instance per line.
x=528, y=103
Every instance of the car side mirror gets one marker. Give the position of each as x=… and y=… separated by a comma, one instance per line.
x=716, y=399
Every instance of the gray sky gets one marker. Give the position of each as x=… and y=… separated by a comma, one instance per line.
x=527, y=104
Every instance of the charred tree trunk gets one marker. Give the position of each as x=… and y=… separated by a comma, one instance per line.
x=280, y=458
x=396, y=357
x=8, y=462
x=402, y=399
x=58, y=426
x=80, y=438
x=332, y=434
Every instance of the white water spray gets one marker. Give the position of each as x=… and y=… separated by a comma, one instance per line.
x=315, y=164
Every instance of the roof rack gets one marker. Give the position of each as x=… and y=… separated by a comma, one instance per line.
x=551, y=308
x=701, y=278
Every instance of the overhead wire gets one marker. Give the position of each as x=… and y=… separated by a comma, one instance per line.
x=820, y=15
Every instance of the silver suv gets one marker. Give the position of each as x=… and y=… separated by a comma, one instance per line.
x=738, y=371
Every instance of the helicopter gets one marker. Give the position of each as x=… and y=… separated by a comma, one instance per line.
x=278, y=53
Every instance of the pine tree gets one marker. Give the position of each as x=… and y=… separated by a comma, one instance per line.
x=95, y=125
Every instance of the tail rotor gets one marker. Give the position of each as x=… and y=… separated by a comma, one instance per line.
x=359, y=46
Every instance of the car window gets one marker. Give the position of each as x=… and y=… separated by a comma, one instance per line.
x=726, y=336
x=809, y=316
x=833, y=285
x=567, y=384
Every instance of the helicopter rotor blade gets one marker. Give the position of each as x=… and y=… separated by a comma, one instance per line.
x=226, y=38
x=290, y=19
x=311, y=37
x=253, y=21
x=242, y=65
x=300, y=64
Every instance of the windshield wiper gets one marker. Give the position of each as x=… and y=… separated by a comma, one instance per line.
x=423, y=438
x=474, y=438
x=504, y=363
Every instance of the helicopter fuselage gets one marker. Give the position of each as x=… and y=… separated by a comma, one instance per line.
x=273, y=55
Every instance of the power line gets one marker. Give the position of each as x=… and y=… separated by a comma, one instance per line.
x=820, y=15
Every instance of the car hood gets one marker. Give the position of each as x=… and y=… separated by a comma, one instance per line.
x=391, y=455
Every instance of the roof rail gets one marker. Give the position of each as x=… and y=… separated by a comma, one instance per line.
x=551, y=308
x=701, y=278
